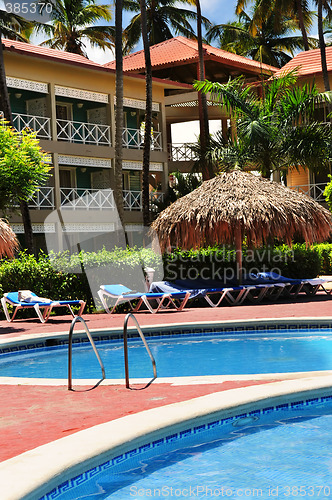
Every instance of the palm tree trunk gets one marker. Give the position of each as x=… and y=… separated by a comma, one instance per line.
x=5, y=107
x=148, y=118
x=118, y=191
x=301, y=24
x=202, y=101
x=4, y=97
x=322, y=45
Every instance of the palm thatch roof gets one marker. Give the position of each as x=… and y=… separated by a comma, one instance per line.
x=8, y=240
x=240, y=202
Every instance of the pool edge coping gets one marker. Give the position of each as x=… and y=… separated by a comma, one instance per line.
x=41, y=468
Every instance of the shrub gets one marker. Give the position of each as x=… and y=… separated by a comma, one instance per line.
x=66, y=276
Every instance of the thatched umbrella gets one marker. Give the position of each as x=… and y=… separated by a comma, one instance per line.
x=237, y=204
x=8, y=240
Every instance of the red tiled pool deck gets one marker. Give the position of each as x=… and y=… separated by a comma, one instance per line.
x=33, y=415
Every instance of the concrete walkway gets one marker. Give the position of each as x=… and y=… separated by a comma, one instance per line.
x=34, y=415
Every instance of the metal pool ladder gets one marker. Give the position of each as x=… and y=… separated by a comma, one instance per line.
x=125, y=347
x=70, y=350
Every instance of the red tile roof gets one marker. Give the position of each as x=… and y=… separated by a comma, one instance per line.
x=180, y=49
x=51, y=54
x=308, y=63
x=72, y=59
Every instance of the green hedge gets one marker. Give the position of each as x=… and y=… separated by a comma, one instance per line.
x=220, y=263
x=61, y=275
x=66, y=276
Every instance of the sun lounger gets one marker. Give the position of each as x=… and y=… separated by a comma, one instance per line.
x=38, y=304
x=214, y=295
x=294, y=286
x=121, y=293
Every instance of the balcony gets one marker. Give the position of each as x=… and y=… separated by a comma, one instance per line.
x=132, y=200
x=88, y=199
x=39, y=124
x=315, y=191
x=181, y=152
x=43, y=199
x=133, y=138
x=83, y=133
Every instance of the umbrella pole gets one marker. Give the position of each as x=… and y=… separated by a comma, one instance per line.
x=238, y=250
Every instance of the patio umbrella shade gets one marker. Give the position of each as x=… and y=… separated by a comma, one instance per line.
x=8, y=240
x=237, y=204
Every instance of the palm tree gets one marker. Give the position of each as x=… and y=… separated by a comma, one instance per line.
x=148, y=117
x=326, y=5
x=118, y=191
x=73, y=22
x=13, y=27
x=262, y=42
x=275, y=133
x=298, y=10
x=202, y=100
x=165, y=19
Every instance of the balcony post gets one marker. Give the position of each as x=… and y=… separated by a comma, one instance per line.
x=52, y=103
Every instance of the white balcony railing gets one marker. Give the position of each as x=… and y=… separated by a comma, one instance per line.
x=43, y=198
x=39, y=124
x=181, y=152
x=134, y=138
x=89, y=199
x=315, y=191
x=133, y=199
x=84, y=133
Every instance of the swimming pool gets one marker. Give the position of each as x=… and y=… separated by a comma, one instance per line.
x=261, y=352
x=233, y=456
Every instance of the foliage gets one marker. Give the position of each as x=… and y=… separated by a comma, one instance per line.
x=74, y=21
x=60, y=276
x=183, y=184
x=328, y=193
x=268, y=42
x=23, y=167
x=165, y=18
x=275, y=132
x=219, y=263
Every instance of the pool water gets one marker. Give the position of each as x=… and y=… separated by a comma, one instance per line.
x=264, y=352
x=283, y=454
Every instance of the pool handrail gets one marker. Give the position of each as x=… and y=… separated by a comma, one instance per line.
x=70, y=350
x=125, y=348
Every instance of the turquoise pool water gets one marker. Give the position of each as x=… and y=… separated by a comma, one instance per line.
x=243, y=353
x=276, y=452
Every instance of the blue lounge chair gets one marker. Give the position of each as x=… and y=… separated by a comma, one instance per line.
x=214, y=295
x=121, y=293
x=294, y=286
x=37, y=303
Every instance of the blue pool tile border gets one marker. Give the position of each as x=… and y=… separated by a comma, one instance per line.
x=163, y=332
x=179, y=436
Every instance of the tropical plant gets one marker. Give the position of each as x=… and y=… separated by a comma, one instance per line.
x=165, y=18
x=275, y=132
x=202, y=100
x=183, y=183
x=118, y=191
x=323, y=5
x=23, y=169
x=73, y=22
x=298, y=10
x=269, y=42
